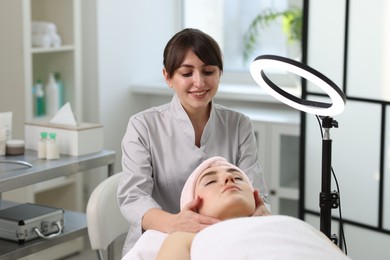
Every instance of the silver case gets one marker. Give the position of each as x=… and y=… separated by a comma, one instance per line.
x=21, y=228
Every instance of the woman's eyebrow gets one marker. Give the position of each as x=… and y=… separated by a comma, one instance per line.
x=186, y=65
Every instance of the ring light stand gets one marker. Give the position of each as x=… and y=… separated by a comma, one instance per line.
x=327, y=200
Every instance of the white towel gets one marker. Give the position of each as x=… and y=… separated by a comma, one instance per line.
x=147, y=246
x=269, y=237
x=38, y=27
x=46, y=40
x=55, y=40
x=41, y=40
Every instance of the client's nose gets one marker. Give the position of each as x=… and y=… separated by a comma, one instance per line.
x=229, y=178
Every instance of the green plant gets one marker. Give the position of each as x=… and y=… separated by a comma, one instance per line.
x=291, y=25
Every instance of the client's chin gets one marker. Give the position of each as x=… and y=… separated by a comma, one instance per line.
x=236, y=209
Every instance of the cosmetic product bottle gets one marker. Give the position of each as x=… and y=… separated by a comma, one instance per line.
x=52, y=148
x=61, y=89
x=52, y=96
x=42, y=146
x=39, y=99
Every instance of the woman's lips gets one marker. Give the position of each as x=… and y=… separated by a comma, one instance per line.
x=198, y=94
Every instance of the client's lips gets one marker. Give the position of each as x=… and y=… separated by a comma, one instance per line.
x=231, y=187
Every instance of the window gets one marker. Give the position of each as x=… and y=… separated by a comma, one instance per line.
x=228, y=21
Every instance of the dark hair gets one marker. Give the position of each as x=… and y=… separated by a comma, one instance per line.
x=202, y=44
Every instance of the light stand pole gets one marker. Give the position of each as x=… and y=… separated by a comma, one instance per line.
x=328, y=200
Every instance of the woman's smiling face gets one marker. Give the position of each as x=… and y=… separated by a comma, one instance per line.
x=194, y=82
x=225, y=193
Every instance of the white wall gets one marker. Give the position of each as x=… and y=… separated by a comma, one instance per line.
x=11, y=86
x=122, y=44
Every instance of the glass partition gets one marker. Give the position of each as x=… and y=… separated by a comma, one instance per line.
x=355, y=160
x=326, y=31
x=386, y=214
x=368, y=45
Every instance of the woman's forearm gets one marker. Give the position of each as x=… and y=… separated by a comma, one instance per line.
x=159, y=220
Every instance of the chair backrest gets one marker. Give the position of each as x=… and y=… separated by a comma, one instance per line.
x=104, y=219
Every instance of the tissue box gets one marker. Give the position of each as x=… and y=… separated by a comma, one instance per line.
x=73, y=140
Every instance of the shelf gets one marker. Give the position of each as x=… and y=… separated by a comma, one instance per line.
x=52, y=49
x=14, y=176
x=54, y=184
x=25, y=64
x=272, y=116
x=225, y=91
x=17, y=176
x=75, y=225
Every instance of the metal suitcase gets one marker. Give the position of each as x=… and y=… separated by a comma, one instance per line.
x=27, y=221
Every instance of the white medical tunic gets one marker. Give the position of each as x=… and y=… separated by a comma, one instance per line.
x=159, y=153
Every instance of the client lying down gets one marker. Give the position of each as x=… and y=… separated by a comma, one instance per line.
x=226, y=193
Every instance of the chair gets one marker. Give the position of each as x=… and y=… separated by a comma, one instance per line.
x=104, y=219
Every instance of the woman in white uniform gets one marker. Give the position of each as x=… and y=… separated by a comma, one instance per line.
x=163, y=145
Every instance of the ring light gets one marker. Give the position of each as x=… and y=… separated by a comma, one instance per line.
x=313, y=107
x=328, y=199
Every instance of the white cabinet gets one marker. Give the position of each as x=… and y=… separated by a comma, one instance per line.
x=65, y=59
x=277, y=133
x=21, y=65
x=284, y=151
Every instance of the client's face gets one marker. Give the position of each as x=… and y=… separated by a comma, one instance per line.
x=225, y=193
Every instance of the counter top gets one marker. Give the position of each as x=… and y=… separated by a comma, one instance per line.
x=13, y=176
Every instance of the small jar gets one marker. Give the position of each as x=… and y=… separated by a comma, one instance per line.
x=14, y=147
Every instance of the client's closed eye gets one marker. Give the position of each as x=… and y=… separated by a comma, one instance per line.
x=210, y=182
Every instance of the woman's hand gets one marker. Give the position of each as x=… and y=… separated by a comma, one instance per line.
x=261, y=209
x=189, y=220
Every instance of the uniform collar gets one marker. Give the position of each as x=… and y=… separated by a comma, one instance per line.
x=185, y=123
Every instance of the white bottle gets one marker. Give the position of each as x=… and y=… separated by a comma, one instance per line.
x=52, y=148
x=52, y=96
x=42, y=146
